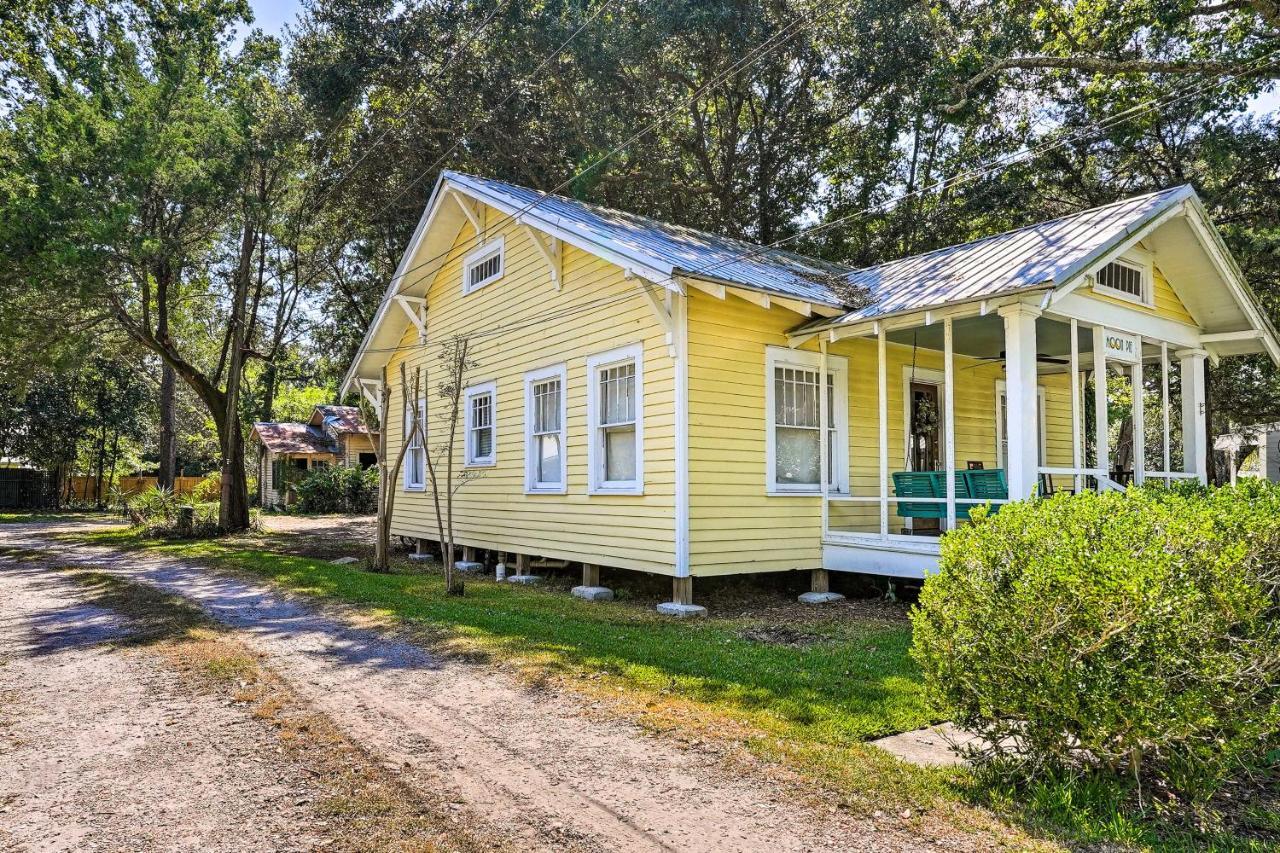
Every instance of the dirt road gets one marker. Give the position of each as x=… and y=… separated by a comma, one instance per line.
x=533, y=765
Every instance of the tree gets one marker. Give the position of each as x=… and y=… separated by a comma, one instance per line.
x=1114, y=38
x=155, y=165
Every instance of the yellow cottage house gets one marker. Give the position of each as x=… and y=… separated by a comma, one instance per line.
x=654, y=398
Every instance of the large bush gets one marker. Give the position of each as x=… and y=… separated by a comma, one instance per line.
x=338, y=489
x=1131, y=633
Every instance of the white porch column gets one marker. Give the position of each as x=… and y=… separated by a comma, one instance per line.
x=1139, y=421
x=1195, y=446
x=1077, y=414
x=824, y=454
x=949, y=418
x=1101, y=424
x=882, y=382
x=1164, y=405
x=1021, y=408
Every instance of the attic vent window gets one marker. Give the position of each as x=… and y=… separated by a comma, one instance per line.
x=483, y=266
x=1126, y=279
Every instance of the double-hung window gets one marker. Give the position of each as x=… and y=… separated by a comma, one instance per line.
x=481, y=403
x=795, y=432
x=544, y=417
x=615, y=454
x=415, y=457
x=484, y=265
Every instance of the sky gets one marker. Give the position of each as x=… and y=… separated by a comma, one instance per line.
x=270, y=16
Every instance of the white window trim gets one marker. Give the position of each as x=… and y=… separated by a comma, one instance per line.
x=468, y=460
x=410, y=486
x=1135, y=259
x=1001, y=388
x=531, y=484
x=838, y=366
x=496, y=246
x=596, y=484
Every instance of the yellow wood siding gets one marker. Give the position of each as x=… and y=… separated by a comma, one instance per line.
x=353, y=445
x=735, y=526
x=1166, y=303
x=597, y=310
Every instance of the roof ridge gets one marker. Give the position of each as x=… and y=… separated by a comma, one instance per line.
x=1043, y=222
x=601, y=208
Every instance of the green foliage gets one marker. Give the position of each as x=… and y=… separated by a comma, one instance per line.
x=209, y=489
x=296, y=403
x=151, y=506
x=338, y=488
x=1129, y=634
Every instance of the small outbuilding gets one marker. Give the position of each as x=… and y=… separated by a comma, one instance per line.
x=333, y=435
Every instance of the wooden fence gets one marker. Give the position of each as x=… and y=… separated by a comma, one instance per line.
x=81, y=489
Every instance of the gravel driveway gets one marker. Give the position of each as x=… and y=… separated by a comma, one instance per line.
x=531, y=763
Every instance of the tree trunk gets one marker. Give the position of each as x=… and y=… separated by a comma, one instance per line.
x=101, y=467
x=168, y=439
x=269, y=382
x=233, y=512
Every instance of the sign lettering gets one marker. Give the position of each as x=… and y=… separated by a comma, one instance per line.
x=1119, y=346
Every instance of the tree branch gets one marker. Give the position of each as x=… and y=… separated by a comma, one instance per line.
x=1108, y=65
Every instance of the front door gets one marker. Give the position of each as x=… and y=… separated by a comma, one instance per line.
x=924, y=440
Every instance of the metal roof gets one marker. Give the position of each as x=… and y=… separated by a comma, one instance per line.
x=287, y=437
x=343, y=419
x=672, y=249
x=1045, y=254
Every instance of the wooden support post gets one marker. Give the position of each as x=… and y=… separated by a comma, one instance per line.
x=682, y=590
x=522, y=564
x=468, y=554
x=819, y=580
x=590, y=574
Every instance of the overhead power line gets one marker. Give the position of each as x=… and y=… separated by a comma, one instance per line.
x=962, y=177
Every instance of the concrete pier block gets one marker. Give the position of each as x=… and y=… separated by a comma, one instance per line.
x=592, y=593
x=526, y=579
x=681, y=611
x=820, y=597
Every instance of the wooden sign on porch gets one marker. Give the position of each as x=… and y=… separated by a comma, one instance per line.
x=1119, y=346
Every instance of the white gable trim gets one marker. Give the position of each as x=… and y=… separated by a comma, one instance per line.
x=394, y=285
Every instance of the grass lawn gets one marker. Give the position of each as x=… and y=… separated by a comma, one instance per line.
x=807, y=696
x=25, y=516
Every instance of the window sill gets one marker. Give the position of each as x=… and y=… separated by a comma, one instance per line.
x=615, y=490
x=415, y=488
x=803, y=493
x=1123, y=296
x=481, y=463
x=545, y=490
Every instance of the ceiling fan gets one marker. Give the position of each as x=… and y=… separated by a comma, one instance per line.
x=1041, y=357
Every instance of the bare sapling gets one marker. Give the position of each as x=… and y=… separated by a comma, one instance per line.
x=389, y=470
x=444, y=477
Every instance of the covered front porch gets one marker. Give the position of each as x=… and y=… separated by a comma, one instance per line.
x=990, y=401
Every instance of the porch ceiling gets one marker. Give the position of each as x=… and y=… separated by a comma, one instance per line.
x=983, y=337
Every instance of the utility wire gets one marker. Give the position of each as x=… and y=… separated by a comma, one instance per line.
x=968, y=175
x=511, y=94
x=453, y=57
x=773, y=42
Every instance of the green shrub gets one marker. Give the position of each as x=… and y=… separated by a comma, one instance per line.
x=155, y=505
x=338, y=489
x=208, y=490
x=1131, y=634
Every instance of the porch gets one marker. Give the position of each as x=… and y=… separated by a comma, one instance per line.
x=933, y=413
